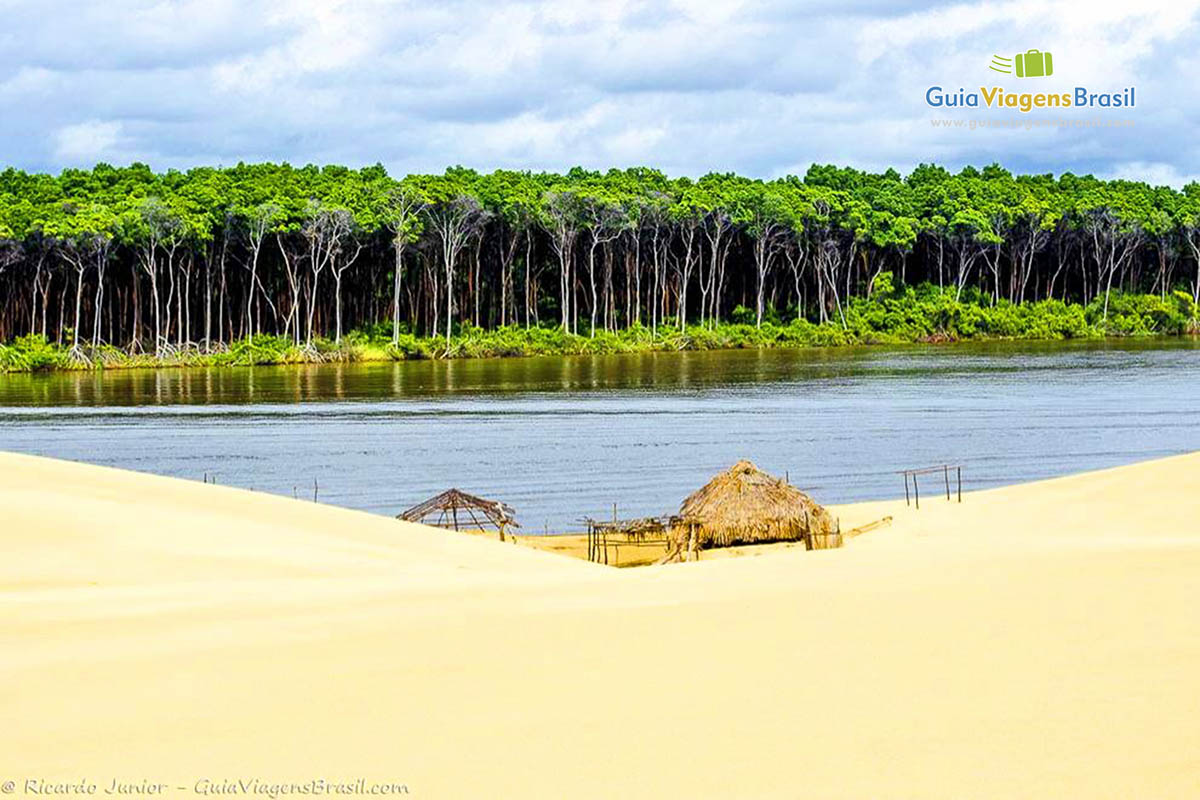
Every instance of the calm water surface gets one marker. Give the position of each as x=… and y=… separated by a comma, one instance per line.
x=559, y=438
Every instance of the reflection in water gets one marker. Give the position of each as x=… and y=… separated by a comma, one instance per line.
x=562, y=437
x=306, y=383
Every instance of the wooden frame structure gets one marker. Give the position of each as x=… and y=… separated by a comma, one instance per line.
x=452, y=504
x=811, y=540
x=614, y=533
x=942, y=468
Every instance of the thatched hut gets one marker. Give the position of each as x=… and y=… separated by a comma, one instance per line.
x=745, y=505
x=454, y=508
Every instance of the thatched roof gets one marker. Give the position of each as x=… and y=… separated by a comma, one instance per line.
x=454, y=507
x=745, y=504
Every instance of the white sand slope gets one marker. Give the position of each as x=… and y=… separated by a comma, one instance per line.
x=1036, y=641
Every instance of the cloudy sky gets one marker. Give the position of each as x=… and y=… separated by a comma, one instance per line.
x=761, y=88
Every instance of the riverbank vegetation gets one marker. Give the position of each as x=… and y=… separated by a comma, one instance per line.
x=269, y=263
x=908, y=315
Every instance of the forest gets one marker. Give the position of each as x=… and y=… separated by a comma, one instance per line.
x=259, y=263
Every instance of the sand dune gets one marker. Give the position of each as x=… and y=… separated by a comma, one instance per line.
x=1034, y=641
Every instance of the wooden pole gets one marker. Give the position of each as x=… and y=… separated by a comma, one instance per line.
x=906, y=487
x=946, y=473
x=616, y=548
x=916, y=492
x=959, y=483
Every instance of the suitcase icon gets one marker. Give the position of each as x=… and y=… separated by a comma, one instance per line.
x=1034, y=64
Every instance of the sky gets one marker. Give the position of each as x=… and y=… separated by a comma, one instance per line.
x=760, y=88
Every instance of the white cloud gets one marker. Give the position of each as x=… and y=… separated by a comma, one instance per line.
x=87, y=142
x=1156, y=173
x=326, y=37
x=688, y=86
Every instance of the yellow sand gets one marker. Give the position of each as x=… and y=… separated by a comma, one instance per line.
x=1037, y=641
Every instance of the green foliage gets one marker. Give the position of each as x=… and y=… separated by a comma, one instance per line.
x=1191, y=310
x=260, y=349
x=1144, y=314
x=911, y=314
x=742, y=315
x=32, y=353
x=462, y=240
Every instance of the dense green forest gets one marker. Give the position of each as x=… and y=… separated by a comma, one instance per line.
x=268, y=262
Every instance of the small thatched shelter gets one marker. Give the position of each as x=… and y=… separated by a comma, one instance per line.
x=745, y=505
x=454, y=508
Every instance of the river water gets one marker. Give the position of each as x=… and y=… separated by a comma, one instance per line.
x=559, y=438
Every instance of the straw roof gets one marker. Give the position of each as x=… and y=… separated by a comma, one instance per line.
x=454, y=507
x=745, y=504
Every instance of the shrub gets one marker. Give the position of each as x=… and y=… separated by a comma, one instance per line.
x=259, y=349
x=32, y=353
x=743, y=316
x=892, y=315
